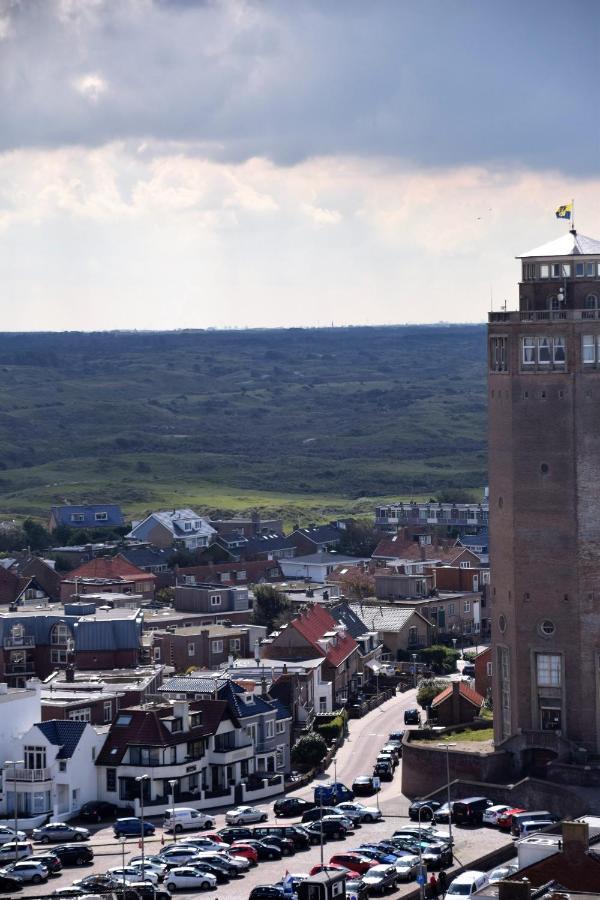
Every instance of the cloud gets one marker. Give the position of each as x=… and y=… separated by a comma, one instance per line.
x=437, y=83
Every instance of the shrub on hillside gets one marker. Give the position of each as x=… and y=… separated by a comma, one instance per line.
x=309, y=750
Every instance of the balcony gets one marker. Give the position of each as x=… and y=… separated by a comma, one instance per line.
x=15, y=643
x=229, y=755
x=27, y=775
x=21, y=668
x=544, y=315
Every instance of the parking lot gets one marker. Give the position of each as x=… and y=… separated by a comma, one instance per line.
x=356, y=757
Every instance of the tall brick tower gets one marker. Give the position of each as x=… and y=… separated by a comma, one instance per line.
x=544, y=462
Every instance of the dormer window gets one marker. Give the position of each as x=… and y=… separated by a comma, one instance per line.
x=187, y=526
x=248, y=699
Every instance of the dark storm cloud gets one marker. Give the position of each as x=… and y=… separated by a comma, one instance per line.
x=434, y=82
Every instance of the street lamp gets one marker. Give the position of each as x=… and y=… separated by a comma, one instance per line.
x=422, y=878
x=414, y=659
x=172, y=783
x=122, y=840
x=141, y=779
x=14, y=763
x=447, y=747
x=334, y=761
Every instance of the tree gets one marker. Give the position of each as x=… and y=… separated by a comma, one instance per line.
x=36, y=535
x=358, y=538
x=271, y=606
x=308, y=750
x=429, y=688
x=439, y=658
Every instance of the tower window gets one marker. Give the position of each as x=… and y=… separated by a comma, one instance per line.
x=590, y=351
x=544, y=271
x=547, y=628
x=548, y=667
x=589, y=269
x=498, y=354
x=579, y=270
x=543, y=351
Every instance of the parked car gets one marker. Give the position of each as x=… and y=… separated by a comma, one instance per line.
x=267, y=892
x=185, y=818
x=465, y=884
x=358, y=812
x=470, y=810
x=356, y=889
x=74, y=854
x=329, y=830
x=220, y=873
x=231, y=865
x=179, y=853
x=56, y=832
x=396, y=735
x=97, y=810
x=390, y=756
x=286, y=845
x=68, y=891
x=296, y=833
x=412, y=716
x=132, y=873
x=9, y=853
x=444, y=813
x=332, y=793
x=352, y=860
x=151, y=864
x=190, y=878
x=241, y=815
x=235, y=833
x=501, y=872
x=526, y=828
x=364, y=786
x=504, y=820
x=492, y=814
x=380, y=879
x=27, y=871
x=407, y=867
x=9, y=883
x=427, y=808
x=537, y=815
x=383, y=770
x=292, y=806
x=329, y=867
x=264, y=849
x=140, y=890
x=132, y=827
x=98, y=884
x=8, y=834
x=50, y=860
x=393, y=748
x=201, y=843
x=247, y=851
x=336, y=818
x=313, y=815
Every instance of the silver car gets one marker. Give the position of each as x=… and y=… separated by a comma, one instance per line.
x=244, y=815
x=27, y=870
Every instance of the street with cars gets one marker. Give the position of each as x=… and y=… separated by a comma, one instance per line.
x=261, y=852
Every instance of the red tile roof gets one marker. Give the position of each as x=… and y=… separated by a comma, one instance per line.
x=110, y=567
x=313, y=623
x=398, y=548
x=464, y=690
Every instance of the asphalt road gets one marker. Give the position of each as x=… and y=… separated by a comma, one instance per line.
x=356, y=757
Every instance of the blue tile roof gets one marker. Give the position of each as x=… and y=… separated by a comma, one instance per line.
x=64, y=734
x=63, y=515
x=282, y=710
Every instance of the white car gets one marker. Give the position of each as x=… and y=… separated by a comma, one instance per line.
x=133, y=873
x=465, y=884
x=240, y=862
x=366, y=813
x=491, y=814
x=501, y=872
x=7, y=851
x=8, y=834
x=243, y=815
x=25, y=870
x=187, y=877
x=407, y=867
x=151, y=864
x=180, y=854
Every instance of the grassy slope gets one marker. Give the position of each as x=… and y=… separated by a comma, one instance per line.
x=308, y=423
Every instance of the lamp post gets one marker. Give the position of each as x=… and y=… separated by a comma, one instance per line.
x=421, y=877
x=14, y=763
x=334, y=761
x=414, y=659
x=447, y=747
x=141, y=779
x=122, y=840
x=172, y=783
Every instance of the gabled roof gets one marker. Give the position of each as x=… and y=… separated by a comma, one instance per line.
x=570, y=244
x=110, y=567
x=145, y=728
x=464, y=690
x=345, y=615
x=473, y=540
x=384, y=618
x=63, y=515
x=232, y=693
x=146, y=557
x=174, y=521
x=266, y=543
x=313, y=624
x=397, y=547
x=190, y=684
x=64, y=734
x=320, y=534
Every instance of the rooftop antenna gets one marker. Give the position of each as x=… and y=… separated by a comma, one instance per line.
x=504, y=305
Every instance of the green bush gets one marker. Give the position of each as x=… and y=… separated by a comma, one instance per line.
x=332, y=729
x=439, y=658
x=309, y=750
x=428, y=689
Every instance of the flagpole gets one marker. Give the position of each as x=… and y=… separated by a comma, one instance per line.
x=572, y=213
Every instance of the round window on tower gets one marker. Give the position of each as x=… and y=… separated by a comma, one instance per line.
x=502, y=623
x=546, y=628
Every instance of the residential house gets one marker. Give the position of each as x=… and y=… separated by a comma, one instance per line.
x=156, y=560
x=449, y=515
x=84, y=516
x=313, y=633
x=354, y=582
x=455, y=616
x=47, y=579
x=396, y=584
x=370, y=643
x=478, y=544
x=249, y=572
x=483, y=672
x=402, y=629
x=316, y=567
x=174, y=528
x=57, y=776
x=200, y=648
x=460, y=578
x=316, y=539
x=267, y=546
x=247, y=527
x=36, y=642
x=214, y=602
x=108, y=573
x=457, y=704
x=21, y=708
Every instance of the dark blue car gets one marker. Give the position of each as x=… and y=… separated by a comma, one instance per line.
x=132, y=828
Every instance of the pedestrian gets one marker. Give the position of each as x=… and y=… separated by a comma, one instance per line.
x=433, y=886
x=442, y=882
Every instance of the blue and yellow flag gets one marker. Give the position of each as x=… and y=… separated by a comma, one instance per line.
x=564, y=212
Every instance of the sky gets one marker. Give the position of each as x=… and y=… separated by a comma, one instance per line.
x=272, y=163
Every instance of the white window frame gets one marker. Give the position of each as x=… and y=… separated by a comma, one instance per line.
x=488, y=669
x=80, y=715
x=101, y=517
x=466, y=606
x=234, y=644
x=280, y=727
x=269, y=729
x=191, y=648
x=215, y=599
x=216, y=646
x=548, y=669
x=108, y=711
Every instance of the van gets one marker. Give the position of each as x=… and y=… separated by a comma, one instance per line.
x=536, y=815
x=465, y=885
x=183, y=818
x=333, y=793
x=526, y=828
x=470, y=810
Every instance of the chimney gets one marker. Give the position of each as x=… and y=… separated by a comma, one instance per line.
x=455, y=703
x=263, y=687
x=576, y=839
x=514, y=890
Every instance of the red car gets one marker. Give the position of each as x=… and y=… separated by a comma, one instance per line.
x=328, y=867
x=353, y=861
x=245, y=850
x=504, y=821
x=215, y=836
